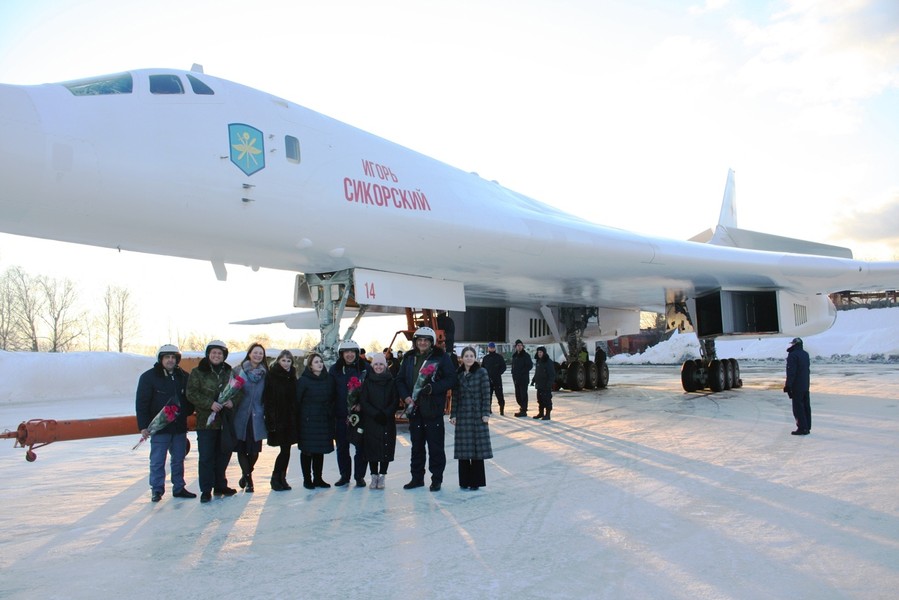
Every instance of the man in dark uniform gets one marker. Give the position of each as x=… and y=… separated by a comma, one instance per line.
x=425, y=376
x=797, y=386
x=496, y=366
x=521, y=369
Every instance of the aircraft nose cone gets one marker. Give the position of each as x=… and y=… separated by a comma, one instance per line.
x=22, y=151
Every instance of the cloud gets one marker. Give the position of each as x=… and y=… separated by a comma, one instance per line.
x=878, y=224
x=825, y=57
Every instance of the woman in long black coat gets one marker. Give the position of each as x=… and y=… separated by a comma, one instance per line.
x=315, y=418
x=379, y=401
x=279, y=399
x=470, y=414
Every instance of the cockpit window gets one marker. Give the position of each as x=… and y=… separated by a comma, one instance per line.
x=166, y=84
x=199, y=87
x=98, y=86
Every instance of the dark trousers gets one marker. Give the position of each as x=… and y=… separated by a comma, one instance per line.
x=471, y=473
x=430, y=433
x=344, y=464
x=378, y=470
x=496, y=388
x=283, y=459
x=802, y=411
x=212, y=462
x=545, y=399
x=521, y=390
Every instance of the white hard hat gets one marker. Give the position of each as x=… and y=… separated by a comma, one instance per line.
x=217, y=344
x=169, y=349
x=425, y=332
x=348, y=345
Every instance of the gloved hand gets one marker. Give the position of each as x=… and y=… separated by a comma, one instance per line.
x=380, y=419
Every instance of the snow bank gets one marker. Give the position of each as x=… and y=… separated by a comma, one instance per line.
x=859, y=335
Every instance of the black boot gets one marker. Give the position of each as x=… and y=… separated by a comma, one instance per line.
x=306, y=466
x=276, y=481
x=546, y=416
x=502, y=409
x=249, y=479
x=284, y=485
x=244, y=468
x=318, y=461
x=539, y=414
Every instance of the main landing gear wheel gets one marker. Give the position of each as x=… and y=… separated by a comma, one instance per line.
x=688, y=376
x=603, y=379
x=592, y=376
x=576, y=376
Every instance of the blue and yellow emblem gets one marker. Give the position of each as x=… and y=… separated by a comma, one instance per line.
x=247, y=151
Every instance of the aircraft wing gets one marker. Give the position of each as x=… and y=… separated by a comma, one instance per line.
x=254, y=179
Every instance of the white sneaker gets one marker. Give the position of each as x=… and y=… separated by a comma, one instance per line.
x=374, y=482
x=381, y=481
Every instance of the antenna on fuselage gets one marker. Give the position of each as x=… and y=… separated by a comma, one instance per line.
x=195, y=68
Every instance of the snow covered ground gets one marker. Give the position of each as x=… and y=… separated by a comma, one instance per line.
x=636, y=491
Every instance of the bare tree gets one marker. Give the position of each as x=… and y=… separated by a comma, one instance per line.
x=122, y=315
x=9, y=337
x=28, y=305
x=63, y=322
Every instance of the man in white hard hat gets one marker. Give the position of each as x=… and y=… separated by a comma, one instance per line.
x=425, y=375
x=163, y=388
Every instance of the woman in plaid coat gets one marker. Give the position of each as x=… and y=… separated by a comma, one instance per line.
x=470, y=414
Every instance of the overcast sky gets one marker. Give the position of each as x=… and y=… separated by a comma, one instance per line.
x=626, y=113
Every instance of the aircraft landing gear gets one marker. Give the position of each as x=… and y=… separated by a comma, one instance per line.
x=710, y=371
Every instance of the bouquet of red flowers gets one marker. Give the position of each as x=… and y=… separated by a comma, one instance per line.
x=353, y=387
x=168, y=414
x=424, y=375
x=235, y=383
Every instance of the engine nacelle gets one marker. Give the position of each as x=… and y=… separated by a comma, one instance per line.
x=728, y=314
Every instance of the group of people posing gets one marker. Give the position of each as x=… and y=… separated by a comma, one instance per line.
x=351, y=404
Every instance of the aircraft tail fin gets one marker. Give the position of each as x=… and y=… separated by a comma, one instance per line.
x=727, y=233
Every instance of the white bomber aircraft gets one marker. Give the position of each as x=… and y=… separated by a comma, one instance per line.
x=184, y=164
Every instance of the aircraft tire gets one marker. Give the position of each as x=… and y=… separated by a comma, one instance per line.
x=716, y=376
x=591, y=381
x=738, y=382
x=603, y=378
x=688, y=376
x=576, y=376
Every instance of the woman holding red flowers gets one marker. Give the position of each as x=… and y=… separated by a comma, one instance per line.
x=249, y=418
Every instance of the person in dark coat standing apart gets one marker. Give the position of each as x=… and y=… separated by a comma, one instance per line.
x=797, y=386
x=349, y=364
x=426, y=374
x=470, y=415
x=165, y=385
x=544, y=377
x=279, y=399
x=316, y=400
x=495, y=365
x=521, y=369
x=378, y=402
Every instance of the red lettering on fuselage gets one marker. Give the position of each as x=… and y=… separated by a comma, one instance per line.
x=364, y=192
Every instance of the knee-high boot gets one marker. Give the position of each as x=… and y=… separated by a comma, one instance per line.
x=306, y=466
